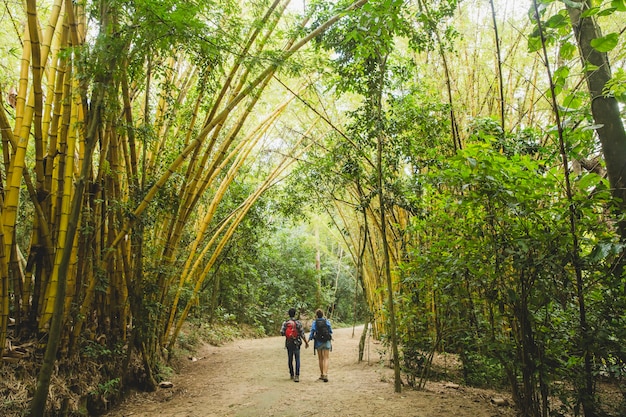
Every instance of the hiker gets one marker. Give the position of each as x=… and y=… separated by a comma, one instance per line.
x=294, y=335
x=322, y=332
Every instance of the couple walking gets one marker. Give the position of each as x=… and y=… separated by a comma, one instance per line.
x=321, y=333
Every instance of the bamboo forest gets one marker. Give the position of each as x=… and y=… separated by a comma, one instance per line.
x=447, y=174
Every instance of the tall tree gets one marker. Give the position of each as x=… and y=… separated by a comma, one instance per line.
x=593, y=47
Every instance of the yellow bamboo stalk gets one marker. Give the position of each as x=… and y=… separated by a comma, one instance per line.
x=60, y=69
x=160, y=114
x=58, y=155
x=286, y=161
x=41, y=231
x=192, y=192
x=210, y=125
x=196, y=192
x=81, y=20
x=24, y=116
x=22, y=89
x=54, y=32
x=36, y=66
x=17, y=164
x=248, y=144
x=192, y=197
x=68, y=174
x=4, y=293
x=239, y=60
x=130, y=157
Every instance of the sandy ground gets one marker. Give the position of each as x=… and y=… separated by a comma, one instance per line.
x=250, y=378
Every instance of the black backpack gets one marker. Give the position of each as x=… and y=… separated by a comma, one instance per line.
x=322, y=334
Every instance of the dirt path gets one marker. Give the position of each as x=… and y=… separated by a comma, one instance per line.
x=249, y=378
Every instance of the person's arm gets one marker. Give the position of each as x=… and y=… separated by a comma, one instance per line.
x=312, y=334
x=301, y=332
x=282, y=328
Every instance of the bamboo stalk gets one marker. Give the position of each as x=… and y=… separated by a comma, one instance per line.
x=239, y=215
x=211, y=124
x=66, y=198
x=4, y=294
x=242, y=152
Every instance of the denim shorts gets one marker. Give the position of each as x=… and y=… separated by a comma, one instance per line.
x=323, y=345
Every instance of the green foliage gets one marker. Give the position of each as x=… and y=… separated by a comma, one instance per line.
x=96, y=351
x=108, y=388
x=268, y=267
x=616, y=87
x=483, y=371
x=493, y=280
x=361, y=40
x=188, y=341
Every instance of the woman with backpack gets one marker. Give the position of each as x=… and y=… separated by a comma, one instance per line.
x=322, y=332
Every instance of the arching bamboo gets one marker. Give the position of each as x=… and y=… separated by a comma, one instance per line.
x=239, y=216
x=219, y=117
x=241, y=152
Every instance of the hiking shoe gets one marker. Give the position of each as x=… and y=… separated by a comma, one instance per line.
x=325, y=378
x=321, y=378
x=296, y=379
x=291, y=377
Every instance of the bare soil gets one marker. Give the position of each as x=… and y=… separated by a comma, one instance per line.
x=250, y=378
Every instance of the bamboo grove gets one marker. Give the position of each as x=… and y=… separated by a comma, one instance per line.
x=122, y=106
x=478, y=189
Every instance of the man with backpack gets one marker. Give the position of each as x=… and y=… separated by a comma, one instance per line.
x=294, y=335
x=322, y=332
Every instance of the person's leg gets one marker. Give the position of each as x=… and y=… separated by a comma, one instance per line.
x=325, y=363
x=290, y=354
x=321, y=362
x=296, y=354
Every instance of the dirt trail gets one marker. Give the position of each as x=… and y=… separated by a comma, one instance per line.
x=249, y=378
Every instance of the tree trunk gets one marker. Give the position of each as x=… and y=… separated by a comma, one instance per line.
x=604, y=108
x=606, y=114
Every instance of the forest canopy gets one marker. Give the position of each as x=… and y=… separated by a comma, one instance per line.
x=450, y=173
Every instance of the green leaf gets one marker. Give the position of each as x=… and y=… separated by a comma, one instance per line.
x=589, y=180
x=572, y=101
x=602, y=251
x=561, y=74
x=619, y=5
x=592, y=11
x=567, y=50
x=605, y=43
x=556, y=21
x=534, y=44
x=607, y=12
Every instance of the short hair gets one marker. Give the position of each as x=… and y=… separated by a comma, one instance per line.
x=292, y=312
x=319, y=313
